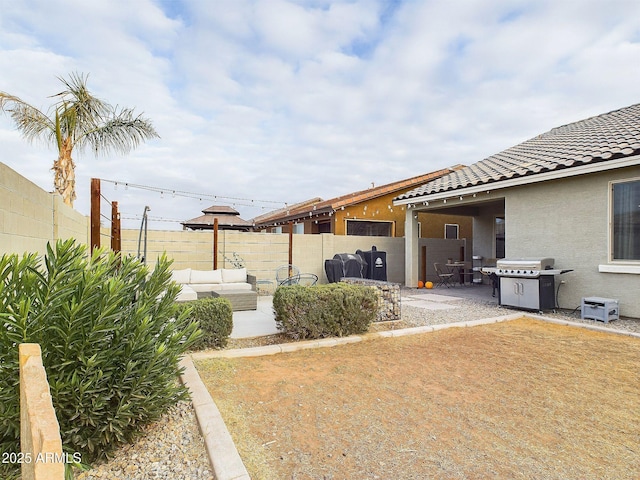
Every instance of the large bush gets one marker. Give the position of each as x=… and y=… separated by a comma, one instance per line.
x=110, y=343
x=319, y=311
x=214, y=316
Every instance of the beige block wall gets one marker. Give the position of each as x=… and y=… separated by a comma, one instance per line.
x=261, y=253
x=570, y=223
x=31, y=217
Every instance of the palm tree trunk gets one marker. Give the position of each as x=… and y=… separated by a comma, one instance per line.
x=64, y=173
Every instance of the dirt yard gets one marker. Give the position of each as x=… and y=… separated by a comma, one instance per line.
x=521, y=399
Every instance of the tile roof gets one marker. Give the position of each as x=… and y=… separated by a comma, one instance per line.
x=601, y=138
x=317, y=206
x=221, y=209
x=283, y=212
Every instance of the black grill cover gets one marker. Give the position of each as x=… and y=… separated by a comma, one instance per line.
x=344, y=265
x=376, y=264
x=333, y=269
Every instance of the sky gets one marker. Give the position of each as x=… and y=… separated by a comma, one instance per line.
x=264, y=103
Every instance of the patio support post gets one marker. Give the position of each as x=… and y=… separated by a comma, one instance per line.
x=215, y=243
x=411, y=248
x=95, y=214
x=116, y=239
x=290, y=247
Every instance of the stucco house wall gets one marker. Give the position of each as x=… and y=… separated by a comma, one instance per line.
x=568, y=220
x=484, y=243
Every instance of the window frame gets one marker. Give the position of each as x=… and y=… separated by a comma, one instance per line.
x=615, y=265
x=389, y=222
x=457, y=231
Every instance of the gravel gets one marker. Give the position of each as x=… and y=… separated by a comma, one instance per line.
x=474, y=309
x=173, y=448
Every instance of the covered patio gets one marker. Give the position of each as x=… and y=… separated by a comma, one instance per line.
x=487, y=209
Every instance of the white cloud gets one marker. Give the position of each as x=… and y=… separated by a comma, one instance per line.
x=287, y=100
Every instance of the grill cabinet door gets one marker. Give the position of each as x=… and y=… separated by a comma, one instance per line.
x=529, y=293
x=509, y=292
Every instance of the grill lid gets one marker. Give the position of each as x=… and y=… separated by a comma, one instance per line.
x=533, y=263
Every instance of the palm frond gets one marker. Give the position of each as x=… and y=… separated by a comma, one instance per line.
x=121, y=133
x=80, y=112
x=31, y=122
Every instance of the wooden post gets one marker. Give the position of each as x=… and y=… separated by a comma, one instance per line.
x=95, y=214
x=116, y=241
x=215, y=243
x=290, y=247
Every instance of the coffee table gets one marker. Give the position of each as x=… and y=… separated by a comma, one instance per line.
x=240, y=299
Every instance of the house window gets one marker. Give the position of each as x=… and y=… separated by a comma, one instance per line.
x=451, y=231
x=369, y=229
x=323, y=227
x=276, y=230
x=626, y=220
x=298, y=228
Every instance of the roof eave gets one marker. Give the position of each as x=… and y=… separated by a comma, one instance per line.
x=296, y=217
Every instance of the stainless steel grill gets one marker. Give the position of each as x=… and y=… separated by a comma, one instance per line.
x=527, y=283
x=525, y=267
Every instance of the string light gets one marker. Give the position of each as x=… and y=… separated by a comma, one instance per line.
x=246, y=202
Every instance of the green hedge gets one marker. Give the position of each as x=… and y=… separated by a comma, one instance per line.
x=110, y=338
x=319, y=311
x=214, y=316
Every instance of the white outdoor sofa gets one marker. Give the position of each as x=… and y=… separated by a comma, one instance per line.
x=232, y=283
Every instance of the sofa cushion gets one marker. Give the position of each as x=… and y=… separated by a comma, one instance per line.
x=186, y=294
x=206, y=287
x=206, y=276
x=181, y=276
x=234, y=275
x=235, y=286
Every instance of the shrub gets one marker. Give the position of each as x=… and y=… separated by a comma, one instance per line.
x=319, y=311
x=110, y=341
x=214, y=316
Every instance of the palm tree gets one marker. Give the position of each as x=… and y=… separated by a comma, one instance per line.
x=76, y=120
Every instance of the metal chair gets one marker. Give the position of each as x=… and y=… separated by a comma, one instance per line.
x=493, y=278
x=287, y=275
x=444, y=278
x=307, y=279
x=290, y=275
x=466, y=274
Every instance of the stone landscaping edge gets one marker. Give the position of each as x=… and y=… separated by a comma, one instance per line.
x=223, y=455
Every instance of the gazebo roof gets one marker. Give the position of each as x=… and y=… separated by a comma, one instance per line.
x=228, y=219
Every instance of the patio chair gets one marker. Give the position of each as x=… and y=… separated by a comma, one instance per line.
x=444, y=278
x=493, y=278
x=287, y=275
x=466, y=274
x=307, y=279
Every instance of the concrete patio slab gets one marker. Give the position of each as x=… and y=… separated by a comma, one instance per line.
x=429, y=305
x=255, y=323
x=433, y=297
